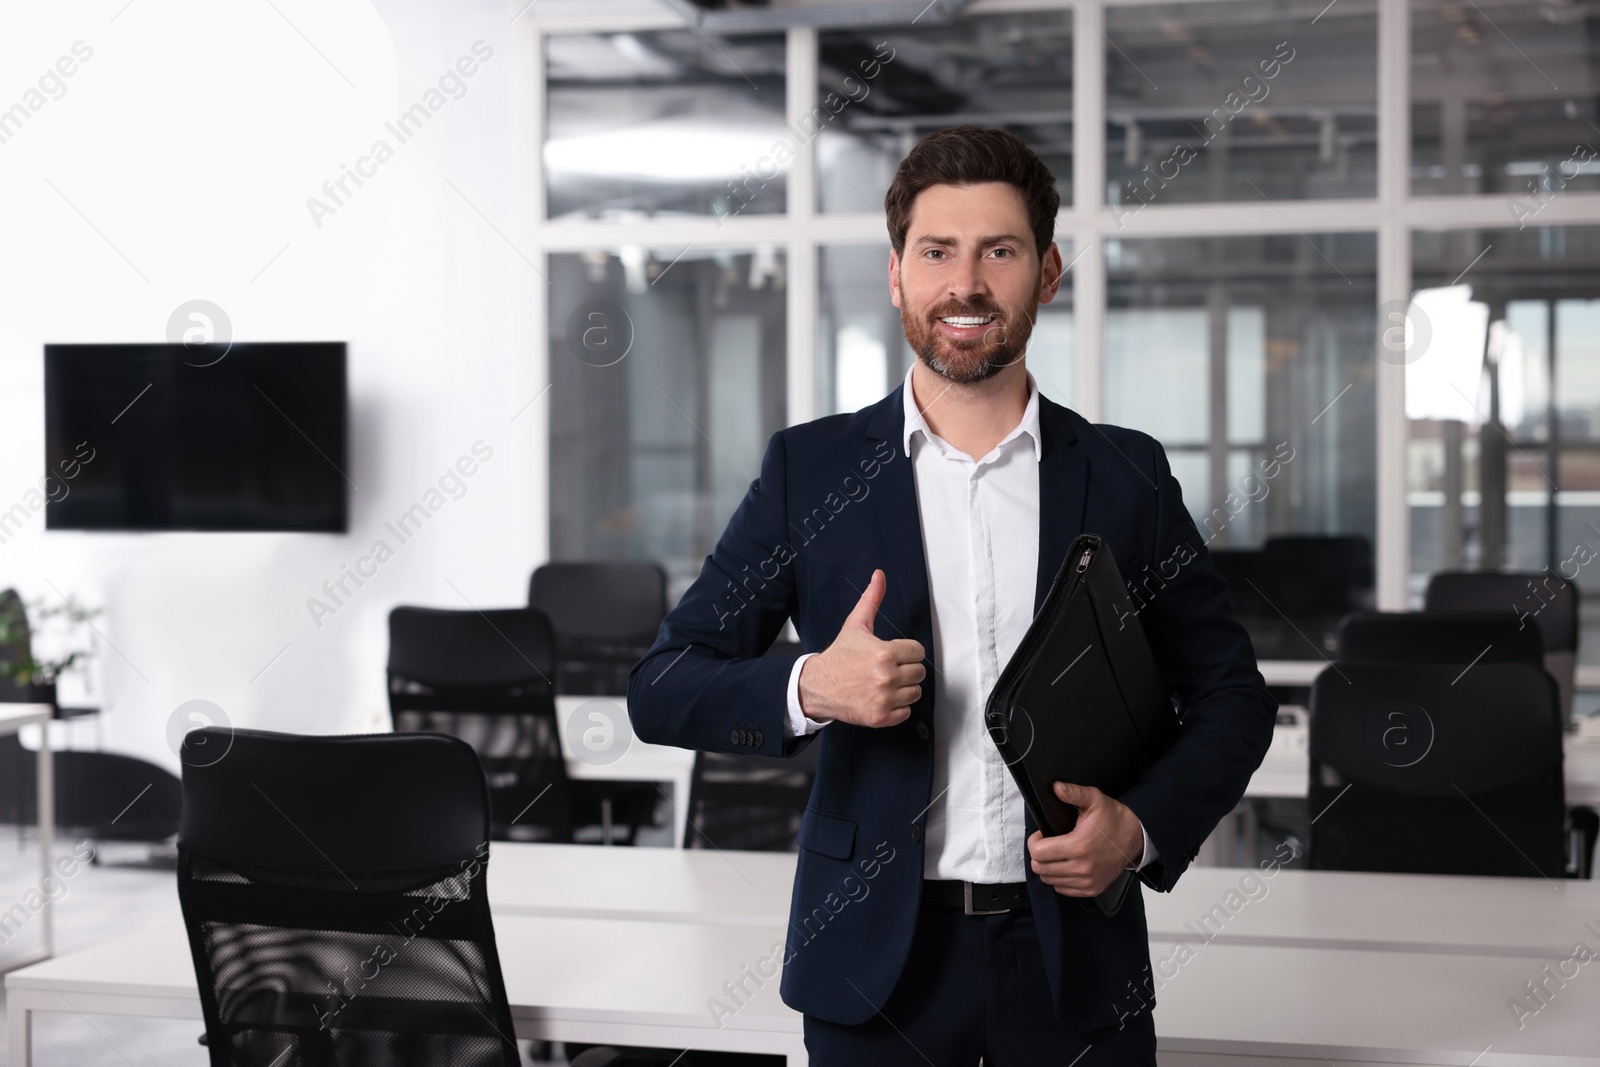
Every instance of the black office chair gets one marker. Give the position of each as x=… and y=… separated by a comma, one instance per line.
x=605, y=615
x=752, y=803
x=1551, y=604
x=1455, y=638
x=486, y=677
x=334, y=893
x=1411, y=773
x=108, y=796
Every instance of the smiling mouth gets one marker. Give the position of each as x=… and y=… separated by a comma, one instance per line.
x=968, y=321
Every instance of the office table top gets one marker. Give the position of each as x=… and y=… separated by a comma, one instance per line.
x=584, y=881
x=636, y=760
x=14, y=716
x=1217, y=999
x=1285, y=772
x=1450, y=914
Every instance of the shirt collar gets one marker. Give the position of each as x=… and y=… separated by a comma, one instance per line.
x=1029, y=424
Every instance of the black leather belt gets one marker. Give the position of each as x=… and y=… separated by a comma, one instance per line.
x=977, y=898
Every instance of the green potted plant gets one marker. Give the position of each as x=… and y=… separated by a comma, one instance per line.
x=34, y=679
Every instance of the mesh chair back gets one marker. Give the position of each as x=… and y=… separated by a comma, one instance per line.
x=485, y=677
x=752, y=803
x=1551, y=603
x=1449, y=639
x=605, y=615
x=334, y=893
x=1413, y=773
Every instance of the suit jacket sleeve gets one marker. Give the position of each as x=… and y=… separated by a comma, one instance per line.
x=1208, y=663
x=705, y=683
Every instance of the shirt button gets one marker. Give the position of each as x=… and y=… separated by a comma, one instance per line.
x=916, y=832
x=922, y=730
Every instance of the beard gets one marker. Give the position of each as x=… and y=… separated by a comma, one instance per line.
x=1002, y=344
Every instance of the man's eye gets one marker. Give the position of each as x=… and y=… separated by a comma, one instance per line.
x=1002, y=252
x=935, y=252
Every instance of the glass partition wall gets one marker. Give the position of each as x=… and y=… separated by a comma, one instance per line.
x=1343, y=260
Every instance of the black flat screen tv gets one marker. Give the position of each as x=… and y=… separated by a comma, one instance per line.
x=247, y=436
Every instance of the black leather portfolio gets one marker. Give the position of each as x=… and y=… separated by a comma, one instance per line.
x=1081, y=699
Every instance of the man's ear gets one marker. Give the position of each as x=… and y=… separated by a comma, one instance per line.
x=894, y=277
x=1050, y=272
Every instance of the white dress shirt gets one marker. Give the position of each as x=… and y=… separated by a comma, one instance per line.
x=980, y=536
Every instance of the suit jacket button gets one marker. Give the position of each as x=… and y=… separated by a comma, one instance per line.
x=916, y=831
x=922, y=730
x=736, y=736
x=759, y=740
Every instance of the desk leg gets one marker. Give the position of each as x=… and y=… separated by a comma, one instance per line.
x=47, y=835
x=19, y=1031
x=680, y=808
x=1252, y=829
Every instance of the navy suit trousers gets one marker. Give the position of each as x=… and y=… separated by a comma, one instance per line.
x=974, y=986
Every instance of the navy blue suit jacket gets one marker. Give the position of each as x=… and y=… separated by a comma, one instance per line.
x=836, y=499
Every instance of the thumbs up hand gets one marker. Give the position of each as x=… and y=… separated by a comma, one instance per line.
x=860, y=678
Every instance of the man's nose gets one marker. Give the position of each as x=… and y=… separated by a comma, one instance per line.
x=966, y=280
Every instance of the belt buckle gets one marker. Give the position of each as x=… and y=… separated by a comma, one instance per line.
x=966, y=893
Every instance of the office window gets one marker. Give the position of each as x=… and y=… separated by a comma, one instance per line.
x=1236, y=352
x=1247, y=101
x=669, y=122
x=1503, y=403
x=1503, y=100
x=861, y=345
x=666, y=380
x=1013, y=71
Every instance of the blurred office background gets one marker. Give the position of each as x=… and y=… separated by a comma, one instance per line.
x=1253, y=193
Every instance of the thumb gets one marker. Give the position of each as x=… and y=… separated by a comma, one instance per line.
x=866, y=608
x=1079, y=796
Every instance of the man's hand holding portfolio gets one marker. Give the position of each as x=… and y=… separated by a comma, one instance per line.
x=1107, y=840
x=861, y=678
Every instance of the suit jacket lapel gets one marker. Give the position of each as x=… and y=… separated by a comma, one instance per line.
x=894, y=502
x=1063, y=487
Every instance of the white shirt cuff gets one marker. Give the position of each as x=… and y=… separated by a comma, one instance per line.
x=795, y=724
x=1150, y=854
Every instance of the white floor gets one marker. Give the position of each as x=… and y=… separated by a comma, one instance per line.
x=101, y=901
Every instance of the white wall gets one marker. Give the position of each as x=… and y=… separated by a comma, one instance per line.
x=188, y=145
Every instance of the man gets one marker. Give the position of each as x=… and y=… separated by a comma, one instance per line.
x=911, y=542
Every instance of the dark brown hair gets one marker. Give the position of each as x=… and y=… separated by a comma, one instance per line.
x=967, y=155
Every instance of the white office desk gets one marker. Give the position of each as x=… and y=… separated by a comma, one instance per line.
x=1402, y=913
x=13, y=717
x=637, y=762
x=1235, y=1003
x=1285, y=772
x=1295, y=672
x=1416, y=913
x=582, y=881
x=644, y=983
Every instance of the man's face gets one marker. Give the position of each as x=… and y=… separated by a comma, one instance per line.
x=970, y=281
